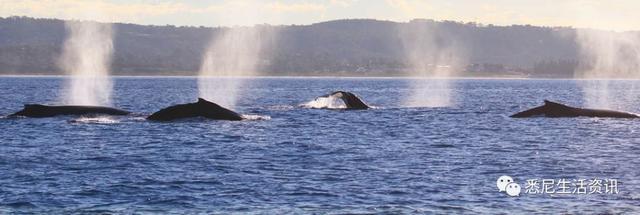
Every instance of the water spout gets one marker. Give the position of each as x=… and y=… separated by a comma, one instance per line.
x=606, y=55
x=432, y=57
x=234, y=53
x=86, y=58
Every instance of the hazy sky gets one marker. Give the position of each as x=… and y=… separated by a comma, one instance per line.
x=603, y=14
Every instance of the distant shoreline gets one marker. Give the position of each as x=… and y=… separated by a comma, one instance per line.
x=319, y=77
x=353, y=48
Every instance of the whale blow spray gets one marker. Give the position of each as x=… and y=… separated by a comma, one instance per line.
x=86, y=57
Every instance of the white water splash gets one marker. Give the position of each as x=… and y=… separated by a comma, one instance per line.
x=86, y=58
x=433, y=57
x=95, y=120
x=326, y=102
x=255, y=117
x=281, y=107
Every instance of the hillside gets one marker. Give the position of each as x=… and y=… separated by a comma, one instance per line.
x=341, y=47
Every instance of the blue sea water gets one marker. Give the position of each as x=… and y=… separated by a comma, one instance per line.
x=391, y=159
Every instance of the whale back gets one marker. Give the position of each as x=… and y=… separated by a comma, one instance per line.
x=174, y=112
x=214, y=111
x=33, y=110
x=201, y=108
x=40, y=111
x=537, y=111
x=549, y=109
x=554, y=109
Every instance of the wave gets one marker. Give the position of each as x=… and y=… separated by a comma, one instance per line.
x=95, y=120
x=281, y=107
x=255, y=117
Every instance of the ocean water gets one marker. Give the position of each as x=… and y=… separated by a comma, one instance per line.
x=391, y=159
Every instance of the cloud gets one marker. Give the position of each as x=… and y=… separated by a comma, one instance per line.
x=295, y=7
x=612, y=14
x=108, y=11
x=413, y=8
x=91, y=10
x=342, y=3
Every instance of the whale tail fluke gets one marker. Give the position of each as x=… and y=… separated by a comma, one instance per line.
x=337, y=100
x=352, y=101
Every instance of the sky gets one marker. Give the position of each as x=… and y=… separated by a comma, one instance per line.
x=618, y=15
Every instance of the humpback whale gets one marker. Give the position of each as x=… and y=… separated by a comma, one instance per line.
x=41, y=111
x=351, y=101
x=554, y=109
x=201, y=108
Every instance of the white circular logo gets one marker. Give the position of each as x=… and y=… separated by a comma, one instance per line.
x=513, y=189
x=503, y=181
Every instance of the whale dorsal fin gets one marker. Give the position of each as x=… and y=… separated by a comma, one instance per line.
x=202, y=101
x=554, y=104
